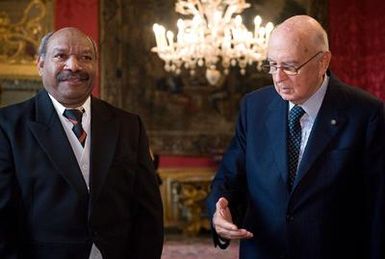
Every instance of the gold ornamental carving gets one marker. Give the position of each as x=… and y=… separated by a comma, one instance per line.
x=192, y=195
x=184, y=191
x=19, y=40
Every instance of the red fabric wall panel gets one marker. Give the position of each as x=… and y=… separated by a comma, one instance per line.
x=186, y=161
x=357, y=42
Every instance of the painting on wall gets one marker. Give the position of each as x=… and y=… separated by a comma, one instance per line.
x=22, y=24
x=183, y=114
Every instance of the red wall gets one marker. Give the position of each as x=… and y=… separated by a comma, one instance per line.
x=186, y=161
x=357, y=42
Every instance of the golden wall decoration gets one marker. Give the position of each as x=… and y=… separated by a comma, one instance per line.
x=21, y=28
x=184, y=191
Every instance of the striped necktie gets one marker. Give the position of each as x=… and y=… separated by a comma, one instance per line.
x=294, y=141
x=75, y=117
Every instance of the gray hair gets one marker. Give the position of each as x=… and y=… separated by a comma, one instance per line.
x=43, y=45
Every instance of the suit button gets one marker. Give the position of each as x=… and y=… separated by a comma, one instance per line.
x=289, y=217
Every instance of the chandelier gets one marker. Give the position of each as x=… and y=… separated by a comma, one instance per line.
x=212, y=37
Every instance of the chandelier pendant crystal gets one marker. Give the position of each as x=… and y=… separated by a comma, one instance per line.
x=213, y=37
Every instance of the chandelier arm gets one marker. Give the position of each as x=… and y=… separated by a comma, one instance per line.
x=216, y=3
x=200, y=7
x=183, y=7
x=230, y=10
x=187, y=8
x=193, y=9
x=240, y=5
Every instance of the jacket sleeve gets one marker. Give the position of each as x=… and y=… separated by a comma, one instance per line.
x=148, y=217
x=8, y=200
x=229, y=181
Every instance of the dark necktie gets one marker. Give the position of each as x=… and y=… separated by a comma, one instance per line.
x=75, y=117
x=294, y=141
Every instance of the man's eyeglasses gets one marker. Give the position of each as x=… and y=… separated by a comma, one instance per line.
x=289, y=70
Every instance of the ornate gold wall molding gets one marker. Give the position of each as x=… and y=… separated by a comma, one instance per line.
x=20, y=34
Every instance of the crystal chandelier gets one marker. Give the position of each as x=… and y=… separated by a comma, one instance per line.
x=214, y=37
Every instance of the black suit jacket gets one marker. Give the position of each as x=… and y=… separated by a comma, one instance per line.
x=45, y=208
x=337, y=206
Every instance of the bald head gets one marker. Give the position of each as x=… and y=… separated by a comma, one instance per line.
x=302, y=31
x=298, y=52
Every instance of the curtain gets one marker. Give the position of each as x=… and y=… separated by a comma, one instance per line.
x=357, y=42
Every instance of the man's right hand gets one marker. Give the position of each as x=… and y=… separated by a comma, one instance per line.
x=223, y=223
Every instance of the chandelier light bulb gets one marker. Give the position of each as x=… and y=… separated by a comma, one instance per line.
x=257, y=21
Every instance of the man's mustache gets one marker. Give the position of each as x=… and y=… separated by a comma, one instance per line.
x=68, y=75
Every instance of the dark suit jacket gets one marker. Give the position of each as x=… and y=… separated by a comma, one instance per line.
x=45, y=208
x=336, y=208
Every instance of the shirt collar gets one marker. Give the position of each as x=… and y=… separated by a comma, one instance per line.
x=60, y=108
x=312, y=105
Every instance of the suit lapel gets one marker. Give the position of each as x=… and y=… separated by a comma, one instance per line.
x=104, y=137
x=52, y=138
x=330, y=120
x=276, y=120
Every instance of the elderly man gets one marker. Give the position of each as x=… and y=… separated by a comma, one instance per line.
x=76, y=178
x=303, y=177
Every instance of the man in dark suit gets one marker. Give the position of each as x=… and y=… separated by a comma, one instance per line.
x=76, y=177
x=303, y=177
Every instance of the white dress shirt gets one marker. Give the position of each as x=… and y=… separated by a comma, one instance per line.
x=82, y=154
x=311, y=108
